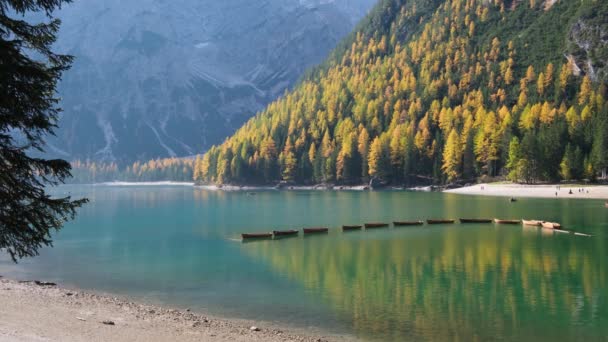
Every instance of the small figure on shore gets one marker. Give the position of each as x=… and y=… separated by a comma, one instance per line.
x=556, y=194
x=570, y=192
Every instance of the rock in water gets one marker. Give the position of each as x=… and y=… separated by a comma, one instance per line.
x=44, y=283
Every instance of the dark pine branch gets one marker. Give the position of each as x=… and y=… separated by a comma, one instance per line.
x=28, y=113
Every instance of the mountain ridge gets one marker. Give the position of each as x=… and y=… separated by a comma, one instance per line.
x=477, y=88
x=158, y=79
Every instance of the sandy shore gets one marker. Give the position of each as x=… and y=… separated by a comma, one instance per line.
x=31, y=312
x=540, y=191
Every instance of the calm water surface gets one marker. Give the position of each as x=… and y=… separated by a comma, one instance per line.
x=180, y=246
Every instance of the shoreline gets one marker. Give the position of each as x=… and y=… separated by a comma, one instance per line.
x=228, y=187
x=594, y=192
x=320, y=187
x=38, y=311
x=122, y=183
x=489, y=189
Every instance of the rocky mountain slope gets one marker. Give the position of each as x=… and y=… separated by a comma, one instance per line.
x=158, y=78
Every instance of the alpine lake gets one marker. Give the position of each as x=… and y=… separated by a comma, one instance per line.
x=181, y=246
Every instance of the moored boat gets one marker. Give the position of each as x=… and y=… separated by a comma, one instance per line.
x=315, y=230
x=289, y=232
x=551, y=225
x=499, y=221
x=439, y=221
x=534, y=223
x=348, y=228
x=376, y=225
x=407, y=223
x=547, y=232
x=256, y=235
x=469, y=220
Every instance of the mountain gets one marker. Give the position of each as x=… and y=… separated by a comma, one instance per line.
x=439, y=91
x=158, y=78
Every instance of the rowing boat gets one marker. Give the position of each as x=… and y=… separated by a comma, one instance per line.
x=499, y=221
x=256, y=235
x=551, y=225
x=347, y=228
x=407, y=223
x=315, y=230
x=465, y=220
x=376, y=225
x=439, y=221
x=285, y=232
x=534, y=223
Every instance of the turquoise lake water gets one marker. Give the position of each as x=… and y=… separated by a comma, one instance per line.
x=180, y=246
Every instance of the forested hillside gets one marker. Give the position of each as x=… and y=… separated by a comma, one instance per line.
x=168, y=169
x=439, y=91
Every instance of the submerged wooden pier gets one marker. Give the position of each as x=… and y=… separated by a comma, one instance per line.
x=407, y=223
x=277, y=234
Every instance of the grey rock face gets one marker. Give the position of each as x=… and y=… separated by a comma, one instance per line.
x=588, y=48
x=158, y=78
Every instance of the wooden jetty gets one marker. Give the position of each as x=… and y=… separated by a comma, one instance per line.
x=439, y=221
x=256, y=235
x=315, y=230
x=475, y=220
x=290, y=232
x=375, y=225
x=500, y=221
x=407, y=223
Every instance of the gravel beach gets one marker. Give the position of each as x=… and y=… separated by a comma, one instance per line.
x=32, y=311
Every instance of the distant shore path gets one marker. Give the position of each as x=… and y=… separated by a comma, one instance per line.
x=539, y=191
x=31, y=312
